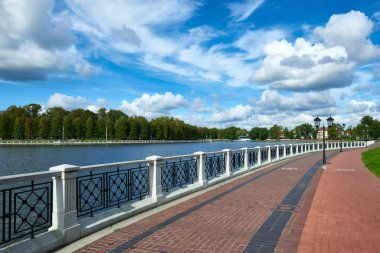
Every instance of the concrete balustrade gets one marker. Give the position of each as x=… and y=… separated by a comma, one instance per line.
x=67, y=227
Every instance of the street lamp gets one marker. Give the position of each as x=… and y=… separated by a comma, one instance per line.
x=341, y=137
x=317, y=123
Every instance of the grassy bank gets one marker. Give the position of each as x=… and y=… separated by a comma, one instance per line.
x=371, y=159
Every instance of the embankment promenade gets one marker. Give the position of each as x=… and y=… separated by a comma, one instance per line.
x=246, y=200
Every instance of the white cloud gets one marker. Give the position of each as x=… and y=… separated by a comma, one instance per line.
x=234, y=114
x=152, y=106
x=361, y=106
x=303, y=66
x=272, y=101
x=254, y=41
x=70, y=102
x=242, y=11
x=350, y=30
x=34, y=43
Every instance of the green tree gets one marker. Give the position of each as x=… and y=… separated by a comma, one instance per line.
x=134, y=129
x=101, y=128
x=19, y=128
x=5, y=127
x=121, y=127
x=275, y=132
x=90, y=129
x=43, y=127
x=144, y=128
x=32, y=110
x=78, y=126
x=28, y=128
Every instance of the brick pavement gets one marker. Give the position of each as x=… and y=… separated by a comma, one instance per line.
x=228, y=218
x=345, y=212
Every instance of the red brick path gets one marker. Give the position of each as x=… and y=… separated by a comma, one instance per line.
x=344, y=216
x=345, y=212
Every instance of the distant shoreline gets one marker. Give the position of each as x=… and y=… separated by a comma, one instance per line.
x=92, y=142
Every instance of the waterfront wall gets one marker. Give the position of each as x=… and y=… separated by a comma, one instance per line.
x=44, y=211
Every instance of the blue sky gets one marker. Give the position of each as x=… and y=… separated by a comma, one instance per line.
x=210, y=63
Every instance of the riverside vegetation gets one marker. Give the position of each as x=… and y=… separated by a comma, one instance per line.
x=30, y=122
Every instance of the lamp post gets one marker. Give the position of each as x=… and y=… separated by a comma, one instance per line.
x=317, y=123
x=341, y=137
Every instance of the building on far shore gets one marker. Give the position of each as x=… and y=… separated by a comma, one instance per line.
x=320, y=133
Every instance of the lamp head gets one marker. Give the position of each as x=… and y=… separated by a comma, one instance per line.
x=317, y=122
x=330, y=121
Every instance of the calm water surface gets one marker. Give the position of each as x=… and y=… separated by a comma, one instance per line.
x=25, y=159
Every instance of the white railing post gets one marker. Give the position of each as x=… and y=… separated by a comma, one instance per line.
x=296, y=149
x=284, y=152
x=227, y=153
x=155, y=178
x=277, y=152
x=269, y=154
x=64, y=217
x=245, y=150
x=202, y=177
x=291, y=150
x=258, y=156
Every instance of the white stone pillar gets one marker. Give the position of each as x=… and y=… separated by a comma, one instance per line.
x=155, y=178
x=277, y=152
x=269, y=153
x=296, y=149
x=227, y=153
x=64, y=218
x=258, y=156
x=245, y=152
x=201, y=159
x=291, y=150
x=284, y=152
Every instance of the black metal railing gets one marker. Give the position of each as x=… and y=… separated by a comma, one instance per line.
x=178, y=173
x=294, y=150
x=252, y=157
x=99, y=191
x=281, y=151
x=264, y=154
x=287, y=150
x=26, y=210
x=215, y=165
x=273, y=153
x=236, y=160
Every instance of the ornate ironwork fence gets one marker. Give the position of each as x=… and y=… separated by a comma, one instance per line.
x=178, y=173
x=215, y=165
x=252, y=157
x=264, y=154
x=98, y=191
x=236, y=160
x=26, y=210
x=287, y=150
x=281, y=151
x=273, y=153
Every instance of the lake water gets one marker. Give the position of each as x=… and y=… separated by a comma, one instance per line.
x=25, y=159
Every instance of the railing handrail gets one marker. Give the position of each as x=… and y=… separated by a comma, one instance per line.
x=28, y=176
x=107, y=165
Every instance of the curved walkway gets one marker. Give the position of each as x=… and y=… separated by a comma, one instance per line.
x=265, y=211
x=345, y=213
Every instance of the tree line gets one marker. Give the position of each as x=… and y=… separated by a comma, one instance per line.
x=29, y=122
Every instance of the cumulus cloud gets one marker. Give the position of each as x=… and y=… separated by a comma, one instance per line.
x=34, y=42
x=152, y=106
x=242, y=11
x=71, y=102
x=272, y=101
x=234, y=114
x=350, y=30
x=254, y=41
x=303, y=66
x=361, y=106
